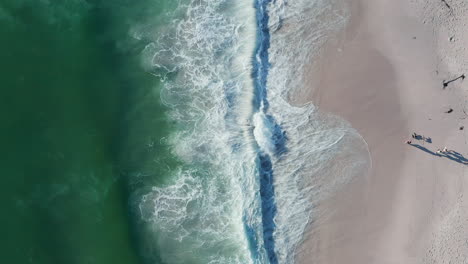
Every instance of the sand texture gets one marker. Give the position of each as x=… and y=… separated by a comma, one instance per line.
x=390, y=74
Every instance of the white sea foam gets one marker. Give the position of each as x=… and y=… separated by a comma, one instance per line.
x=212, y=211
x=201, y=217
x=263, y=133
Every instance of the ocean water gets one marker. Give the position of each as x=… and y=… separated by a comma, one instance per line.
x=71, y=103
x=254, y=166
x=158, y=131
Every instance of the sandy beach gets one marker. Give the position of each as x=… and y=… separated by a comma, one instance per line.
x=390, y=75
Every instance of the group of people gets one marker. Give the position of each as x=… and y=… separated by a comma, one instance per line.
x=418, y=137
x=445, y=150
x=450, y=154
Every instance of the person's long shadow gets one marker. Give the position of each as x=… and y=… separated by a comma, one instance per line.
x=456, y=156
x=451, y=155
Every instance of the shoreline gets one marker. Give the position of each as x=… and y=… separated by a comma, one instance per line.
x=383, y=74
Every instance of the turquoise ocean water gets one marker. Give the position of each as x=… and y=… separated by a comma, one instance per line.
x=71, y=87
x=156, y=131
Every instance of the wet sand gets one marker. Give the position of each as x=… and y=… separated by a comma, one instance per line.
x=384, y=74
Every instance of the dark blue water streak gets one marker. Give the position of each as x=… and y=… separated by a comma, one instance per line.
x=260, y=60
x=266, y=175
x=267, y=194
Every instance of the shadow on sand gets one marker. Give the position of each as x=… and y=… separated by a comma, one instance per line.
x=451, y=155
x=423, y=138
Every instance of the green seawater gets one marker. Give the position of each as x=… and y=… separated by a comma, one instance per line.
x=81, y=129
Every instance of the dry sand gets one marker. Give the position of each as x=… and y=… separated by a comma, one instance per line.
x=385, y=77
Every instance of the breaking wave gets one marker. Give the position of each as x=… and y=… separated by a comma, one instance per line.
x=254, y=166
